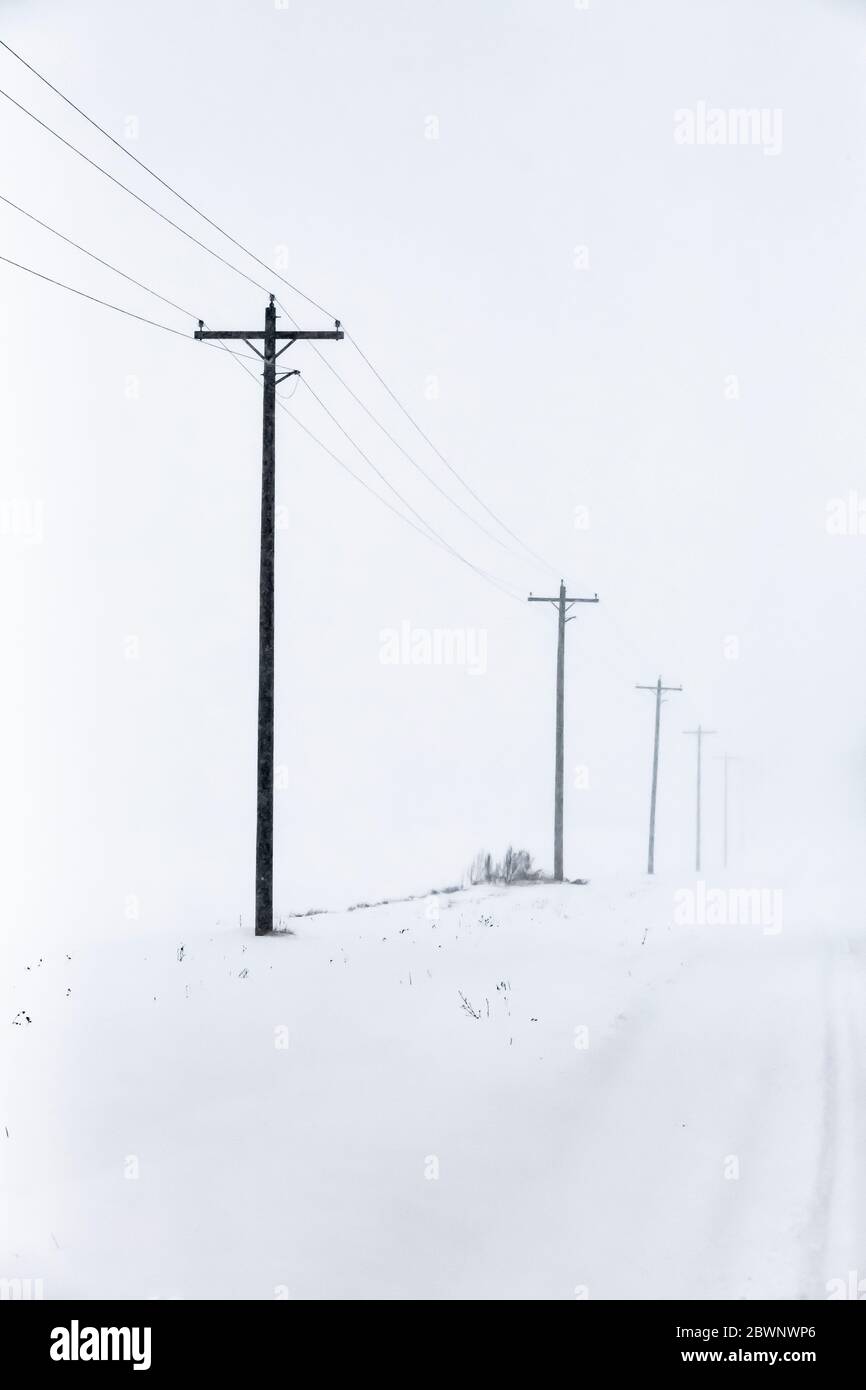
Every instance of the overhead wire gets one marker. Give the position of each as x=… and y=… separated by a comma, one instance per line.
x=295, y=289
x=106, y=304
x=422, y=530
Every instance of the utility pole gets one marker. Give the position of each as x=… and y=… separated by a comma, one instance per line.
x=265, y=750
x=725, y=759
x=700, y=734
x=659, y=691
x=562, y=604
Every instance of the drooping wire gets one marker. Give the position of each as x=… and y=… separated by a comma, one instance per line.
x=94, y=300
x=422, y=530
x=116, y=308
x=83, y=249
x=294, y=288
x=155, y=175
x=93, y=163
x=493, y=579
x=377, y=374
x=409, y=457
x=176, y=332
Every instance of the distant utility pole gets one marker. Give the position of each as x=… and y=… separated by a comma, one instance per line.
x=725, y=759
x=700, y=734
x=562, y=604
x=659, y=691
x=265, y=777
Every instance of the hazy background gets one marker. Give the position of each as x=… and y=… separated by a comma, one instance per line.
x=556, y=384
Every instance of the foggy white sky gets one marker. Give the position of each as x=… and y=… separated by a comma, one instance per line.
x=558, y=387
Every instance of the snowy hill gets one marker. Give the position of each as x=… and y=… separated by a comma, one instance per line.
x=542, y=1091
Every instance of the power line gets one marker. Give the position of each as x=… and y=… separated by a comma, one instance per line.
x=427, y=533
x=357, y=476
x=240, y=358
x=241, y=247
x=106, y=304
x=92, y=162
x=234, y=241
x=182, y=230
x=229, y=265
x=295, y=289
x=162, y=181
x=289, y=395
x=210, y=251
x=441, y=456
x=83, y=249
x=423, y=529
x=413, y=461
x=93, y=299
x=336, y=458
x=492, y=579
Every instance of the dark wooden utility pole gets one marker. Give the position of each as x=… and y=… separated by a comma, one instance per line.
x=659, y=691
x=265, y=751
x=700, y=734
x=562, y=604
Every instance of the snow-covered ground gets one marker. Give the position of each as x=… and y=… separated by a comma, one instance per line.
x=629, y=1104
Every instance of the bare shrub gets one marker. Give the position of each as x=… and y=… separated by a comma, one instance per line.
x=514, y=867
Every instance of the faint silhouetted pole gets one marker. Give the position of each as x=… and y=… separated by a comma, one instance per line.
x=700, y=734
x=725, y=759
x=659, y=690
